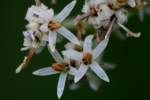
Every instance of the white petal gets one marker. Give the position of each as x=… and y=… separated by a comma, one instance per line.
x=45, y=72
x=44, y=7
x=61, y=84
x=26, y=34
x=87, y=46
x=132, y=3
x=31, y=11
x=72, y=54
x=69, y=46
x=68, y=35
x=19, y=69
x=65, y=12
x=27, y=42
x=32, y=26
x=100, y=48
x=44, y=28
x=80, y=73
x=29, y=15
x=47, y=15
x=52, y=40
x=72, y=71
x=56, y=56
x=99, y=71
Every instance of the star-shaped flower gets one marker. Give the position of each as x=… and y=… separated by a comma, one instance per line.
x=88, y=58
x=53, y=26
x=62, y=67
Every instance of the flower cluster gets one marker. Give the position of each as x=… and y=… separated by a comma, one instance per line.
x=81, y=59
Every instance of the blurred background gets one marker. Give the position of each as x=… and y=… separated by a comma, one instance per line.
x=130, y=79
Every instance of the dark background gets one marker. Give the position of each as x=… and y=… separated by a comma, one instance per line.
x=130, y=80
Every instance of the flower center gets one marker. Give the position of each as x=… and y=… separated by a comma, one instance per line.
x=54, y=25
x=87, y=59
x=60, y=67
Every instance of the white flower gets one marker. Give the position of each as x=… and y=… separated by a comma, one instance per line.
x=100, y=12
x=62, y=67
x=37, y=14
x=87, y=58
x=53, y=26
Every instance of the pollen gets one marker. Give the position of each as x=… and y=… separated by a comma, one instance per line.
x=87, y=59
x=60, y=67
x=53, y=25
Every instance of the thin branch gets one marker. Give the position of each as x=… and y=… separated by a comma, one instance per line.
x=109, y=31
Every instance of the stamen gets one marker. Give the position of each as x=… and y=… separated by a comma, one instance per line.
x=129, y=32
x=60, y=67
x=87, y=59
x=54, y=25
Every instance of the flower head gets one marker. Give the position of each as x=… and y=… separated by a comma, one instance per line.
x=100, y=12
x=53, y=26
x=87, y=58
x=62, y=67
